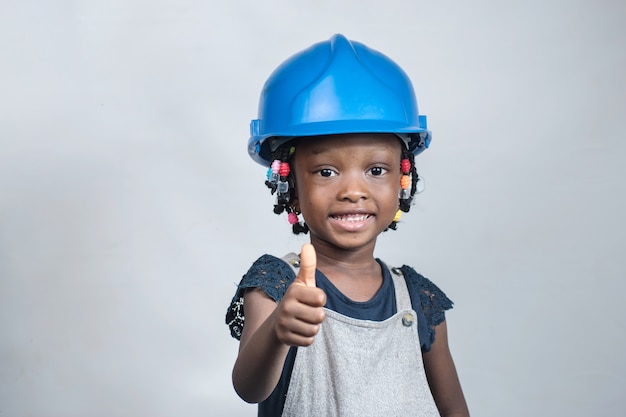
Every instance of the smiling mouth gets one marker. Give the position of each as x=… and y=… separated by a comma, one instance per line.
x=355, y=218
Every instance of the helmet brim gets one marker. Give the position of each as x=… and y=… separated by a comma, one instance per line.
x=260, y=147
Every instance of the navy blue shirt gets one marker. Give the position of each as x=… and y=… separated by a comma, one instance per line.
x=380, y=307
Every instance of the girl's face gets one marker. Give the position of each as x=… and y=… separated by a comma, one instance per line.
x=347, y=187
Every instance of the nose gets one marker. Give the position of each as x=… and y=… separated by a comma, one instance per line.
x=353, y=187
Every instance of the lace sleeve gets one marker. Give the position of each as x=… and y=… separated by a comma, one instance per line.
x=432, y=300
x=269, y=273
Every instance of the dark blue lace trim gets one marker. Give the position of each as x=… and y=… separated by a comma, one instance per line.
x=434, y=302
x=270, y=274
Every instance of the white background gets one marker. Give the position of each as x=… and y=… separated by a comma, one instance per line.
x=129, y=207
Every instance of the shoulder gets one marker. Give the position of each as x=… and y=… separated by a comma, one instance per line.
x=273, y=275
x=430, y=295
x=270, y=274
x=429, y=298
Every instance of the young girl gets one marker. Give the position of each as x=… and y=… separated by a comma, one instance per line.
x=335, y=331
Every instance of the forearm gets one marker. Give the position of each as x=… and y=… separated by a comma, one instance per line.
x=447, y=392
x=442, y=377
x=259, y=364
x=460, y=413
x=454, y=405
x=270, y=329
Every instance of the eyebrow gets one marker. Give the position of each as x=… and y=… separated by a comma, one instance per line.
x=318, y=151
x=328, y=149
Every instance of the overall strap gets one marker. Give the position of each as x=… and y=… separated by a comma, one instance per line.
x=403, y=299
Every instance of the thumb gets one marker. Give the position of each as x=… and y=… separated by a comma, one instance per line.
x=307, y=265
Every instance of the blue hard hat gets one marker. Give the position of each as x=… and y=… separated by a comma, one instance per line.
x=335, y=87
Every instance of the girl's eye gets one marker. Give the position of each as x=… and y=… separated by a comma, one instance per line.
x=326, y=172
x=376, y=171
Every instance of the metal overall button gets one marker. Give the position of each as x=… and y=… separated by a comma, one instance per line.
x=407, y=319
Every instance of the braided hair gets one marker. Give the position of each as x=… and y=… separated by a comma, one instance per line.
x=407, y=165
x=281, y=182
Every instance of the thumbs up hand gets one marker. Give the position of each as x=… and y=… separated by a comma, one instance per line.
x=300, y=312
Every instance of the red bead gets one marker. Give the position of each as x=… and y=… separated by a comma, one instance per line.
x=406, y=166
x=284, y=169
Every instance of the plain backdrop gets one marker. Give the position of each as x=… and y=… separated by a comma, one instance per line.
x=129, y=208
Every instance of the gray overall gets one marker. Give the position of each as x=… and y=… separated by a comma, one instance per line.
x=362, y=367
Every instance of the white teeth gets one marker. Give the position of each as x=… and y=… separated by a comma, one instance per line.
x=352, y=217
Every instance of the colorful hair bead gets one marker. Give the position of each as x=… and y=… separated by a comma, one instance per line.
x=272, y=172
x=284, y=169
x=283, y=187
x=397, y=216
x=405, y=182
x=293, y=218
x=405, y=165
